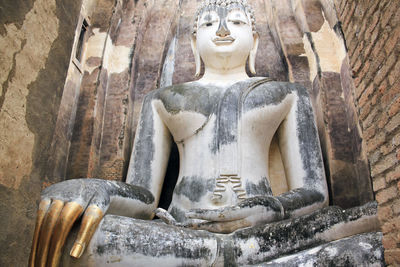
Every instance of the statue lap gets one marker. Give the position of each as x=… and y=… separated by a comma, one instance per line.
x=122, y=241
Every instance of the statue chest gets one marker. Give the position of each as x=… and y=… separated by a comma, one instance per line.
x=225, y=114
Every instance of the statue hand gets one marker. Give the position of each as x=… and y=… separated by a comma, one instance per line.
x=249, y=212
x=62, y=204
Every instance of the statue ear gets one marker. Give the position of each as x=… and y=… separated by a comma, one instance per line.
x=253, y=52
x=196, y=54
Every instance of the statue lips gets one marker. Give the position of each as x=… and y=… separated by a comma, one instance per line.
x=223, y=40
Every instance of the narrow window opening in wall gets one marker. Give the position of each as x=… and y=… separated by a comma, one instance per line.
x=80, y=45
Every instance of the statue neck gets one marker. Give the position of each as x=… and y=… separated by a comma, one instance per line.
x=221, y=77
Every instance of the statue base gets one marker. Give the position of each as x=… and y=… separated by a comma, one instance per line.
x=329, y=235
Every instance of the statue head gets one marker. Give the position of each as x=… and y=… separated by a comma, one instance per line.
x=224, y=29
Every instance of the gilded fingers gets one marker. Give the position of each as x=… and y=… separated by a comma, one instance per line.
x=90, y=221
x=43, y=207
x=68, y=216
x=46, y=230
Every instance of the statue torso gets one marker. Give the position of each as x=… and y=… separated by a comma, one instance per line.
x=223, y=136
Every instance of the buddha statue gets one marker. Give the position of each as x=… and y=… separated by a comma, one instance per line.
x=223, y=125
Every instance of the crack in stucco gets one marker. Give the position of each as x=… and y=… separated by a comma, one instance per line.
x=11, y=75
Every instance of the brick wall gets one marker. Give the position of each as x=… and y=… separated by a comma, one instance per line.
x=372, y=31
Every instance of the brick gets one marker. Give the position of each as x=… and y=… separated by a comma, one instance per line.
x=374, y=157
x=384, y=164
x=394, y=107
x=371, y=42
x=365, y=95
x=391, y=94
x=393, y=123
x=392, y=40
x=374, y=99
x=370, y=132
x=391, y=225
x=396, y=207
x=389, y=241
x=359, y=84
x=363, y=71
x=387, y=66
x=368, y=121
x=387, y=148
x=375, y=142
x=395, y=21
x=394, y=74
x=386, y=194
x=378, y=47
x=365, y=111
x=371, y=9
x=359, y=88
x=382, y=88
x=392, y=256
x=396, y=139
x=357, y=51
x=387, y=15
x=393, y=175
x=356, y=66
x=382, y=120
x=373, y=21
x=379, y=183
x=384, y=213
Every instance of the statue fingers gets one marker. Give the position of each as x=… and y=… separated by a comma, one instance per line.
x=217, y=215
x=46, y=230
x=90, y=221
x=43, y=207
x=222, y=227
x=165, y=216
x=69, y=214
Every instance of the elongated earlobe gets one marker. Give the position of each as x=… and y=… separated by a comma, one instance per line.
x=196, y=54
x=253, y=53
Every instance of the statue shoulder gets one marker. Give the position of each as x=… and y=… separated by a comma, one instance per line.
x=186, y=96
x=176, y=91
x=279, y=89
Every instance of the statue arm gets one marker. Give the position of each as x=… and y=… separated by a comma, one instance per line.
x=302, y=159
x=63, y=203
x=151, y=150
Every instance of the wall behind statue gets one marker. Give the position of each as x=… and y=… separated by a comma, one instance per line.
x=372, y=30
x=36, y=38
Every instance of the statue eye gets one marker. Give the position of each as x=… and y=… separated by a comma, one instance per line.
x=237, y=22
x=208, y=24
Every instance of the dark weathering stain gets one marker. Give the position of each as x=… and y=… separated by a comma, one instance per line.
x=178, y=214
x=308, y=139
x=194, y=187
x=44, y=98
x=14, y=11
x=97, y=191
x=299, y=198
x=261, y=189
x=126, y=236
x=144, y=147
x=11, y=75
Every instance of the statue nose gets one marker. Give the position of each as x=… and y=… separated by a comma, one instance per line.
x=223, y=30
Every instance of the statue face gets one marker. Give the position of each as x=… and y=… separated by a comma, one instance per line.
x=224, y=38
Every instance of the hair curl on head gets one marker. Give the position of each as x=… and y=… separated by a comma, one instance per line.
x=230, y=4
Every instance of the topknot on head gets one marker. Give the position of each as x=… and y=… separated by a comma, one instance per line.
x=212, y=4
